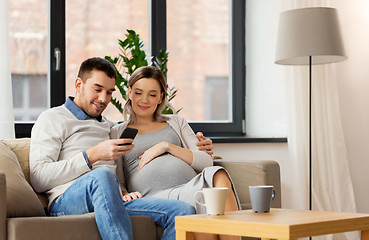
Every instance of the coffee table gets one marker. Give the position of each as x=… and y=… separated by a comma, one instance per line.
x=277, y=224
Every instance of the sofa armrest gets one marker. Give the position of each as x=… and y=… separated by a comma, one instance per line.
x=2, y=206
x=249, y=173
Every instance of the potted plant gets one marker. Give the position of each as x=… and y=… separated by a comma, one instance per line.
x=133, y=56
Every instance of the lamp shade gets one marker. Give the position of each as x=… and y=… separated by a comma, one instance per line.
x=309, y=32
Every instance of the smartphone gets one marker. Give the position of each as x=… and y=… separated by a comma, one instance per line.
x=129, y=133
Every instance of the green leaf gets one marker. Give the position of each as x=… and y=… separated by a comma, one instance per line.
x=117, y=104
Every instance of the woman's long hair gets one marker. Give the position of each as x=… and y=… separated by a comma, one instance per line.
x=147, y=72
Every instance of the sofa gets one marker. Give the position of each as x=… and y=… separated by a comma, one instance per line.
x=23, y=213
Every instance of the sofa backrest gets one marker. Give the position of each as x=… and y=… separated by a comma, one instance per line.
x=245, y=173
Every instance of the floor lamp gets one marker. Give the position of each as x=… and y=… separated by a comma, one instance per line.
x=309, y=36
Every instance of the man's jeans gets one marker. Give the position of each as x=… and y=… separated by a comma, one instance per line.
x=98, y=191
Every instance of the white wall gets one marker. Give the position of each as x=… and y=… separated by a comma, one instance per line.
x=353, y=84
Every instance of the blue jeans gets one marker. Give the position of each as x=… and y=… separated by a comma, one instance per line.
x=98, y=191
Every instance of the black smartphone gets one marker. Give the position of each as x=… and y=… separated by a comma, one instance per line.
x=129, y=133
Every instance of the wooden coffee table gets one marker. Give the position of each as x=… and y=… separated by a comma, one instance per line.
x=277, y=224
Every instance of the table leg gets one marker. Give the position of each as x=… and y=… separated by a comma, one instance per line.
x=365, y=235
x=183, y=235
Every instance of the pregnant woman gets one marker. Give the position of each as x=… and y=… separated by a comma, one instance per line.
x=165, y=161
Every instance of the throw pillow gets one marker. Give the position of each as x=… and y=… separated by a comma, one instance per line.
x=20, y=147
x=21, y=200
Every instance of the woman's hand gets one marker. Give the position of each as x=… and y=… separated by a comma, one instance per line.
x=152, y=153
x=204, y=144
x=131, y=196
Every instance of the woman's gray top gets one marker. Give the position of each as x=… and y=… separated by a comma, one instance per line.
x=165, y=171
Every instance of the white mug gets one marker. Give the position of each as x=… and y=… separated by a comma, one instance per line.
x=261, y=198
x=215, y=200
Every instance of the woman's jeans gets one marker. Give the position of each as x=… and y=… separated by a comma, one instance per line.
x=98, y=191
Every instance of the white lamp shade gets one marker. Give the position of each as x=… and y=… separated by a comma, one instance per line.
x=309, y=32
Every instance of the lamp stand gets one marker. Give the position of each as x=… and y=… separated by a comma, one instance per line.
x=310, y=163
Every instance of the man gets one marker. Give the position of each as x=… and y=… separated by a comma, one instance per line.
x=72, y=159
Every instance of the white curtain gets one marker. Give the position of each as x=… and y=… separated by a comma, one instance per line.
x=6, y=100
x=332, y=186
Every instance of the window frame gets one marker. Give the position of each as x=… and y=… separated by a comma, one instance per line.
x=157, y=33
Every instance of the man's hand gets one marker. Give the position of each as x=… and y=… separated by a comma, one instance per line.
x=204, y=144
x=109, y=150
x=131, y=196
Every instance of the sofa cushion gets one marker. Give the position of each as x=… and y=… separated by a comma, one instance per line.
x=21, y=200
x=74, y=227
x=20, y=147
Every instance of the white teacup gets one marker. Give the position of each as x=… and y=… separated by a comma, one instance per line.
x=261, y=198
x=215, y=199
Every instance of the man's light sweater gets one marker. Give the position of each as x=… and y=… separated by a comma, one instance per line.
x=57, y=145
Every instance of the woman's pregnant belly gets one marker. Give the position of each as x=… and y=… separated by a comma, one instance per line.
x=163, y=172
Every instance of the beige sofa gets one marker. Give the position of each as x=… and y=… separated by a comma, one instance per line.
x=22, y=214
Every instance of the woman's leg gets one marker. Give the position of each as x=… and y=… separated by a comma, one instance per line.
x=221, y=179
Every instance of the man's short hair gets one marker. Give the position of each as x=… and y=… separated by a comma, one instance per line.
x=96, y=63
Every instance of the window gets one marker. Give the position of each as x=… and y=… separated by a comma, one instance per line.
x=32, y=46
x=198, y=43
x=75, y=34
x=29, y=96
x=195, y=32
x=93, y=28
x=28, y=37
x=216, y=94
